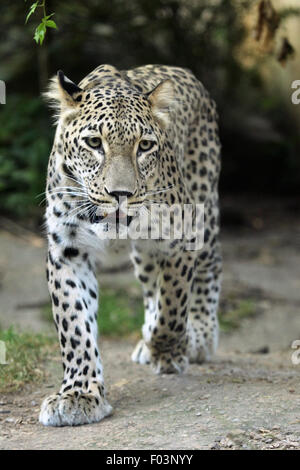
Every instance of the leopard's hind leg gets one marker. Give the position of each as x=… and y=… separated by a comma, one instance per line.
x=203, y=329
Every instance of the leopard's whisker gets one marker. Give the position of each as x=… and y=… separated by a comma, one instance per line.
x=65, y=189
x=78, y=208
x=70, y=201
x=162, y=190
x=70, y=188
x=76, y=181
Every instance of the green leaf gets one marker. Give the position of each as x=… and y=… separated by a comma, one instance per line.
x=31, y=10
x=51, y=24
x=39, y=34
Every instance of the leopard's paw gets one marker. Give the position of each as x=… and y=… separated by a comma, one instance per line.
x=166, y=363
x=73, y=408
x=161, y=362
x=141, y=353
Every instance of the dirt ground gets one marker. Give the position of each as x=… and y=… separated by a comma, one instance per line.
x=248, y=397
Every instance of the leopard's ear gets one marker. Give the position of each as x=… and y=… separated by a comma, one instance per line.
x=162, y=99
x=63, y=93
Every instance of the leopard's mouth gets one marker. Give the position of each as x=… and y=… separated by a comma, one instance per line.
x=118, y=217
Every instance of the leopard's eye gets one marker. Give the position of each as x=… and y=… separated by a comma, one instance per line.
x=94, y=142
x=145, y=145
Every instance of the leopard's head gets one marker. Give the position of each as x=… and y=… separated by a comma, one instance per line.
x=110, y=138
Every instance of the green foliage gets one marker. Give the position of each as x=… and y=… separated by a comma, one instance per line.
x=231, y=318
x=24, y=355
x=25, y=135
x=40, y=31
x=31, y=10
x=120, y=312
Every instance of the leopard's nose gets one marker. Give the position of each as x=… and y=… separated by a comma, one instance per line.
x=119, y=194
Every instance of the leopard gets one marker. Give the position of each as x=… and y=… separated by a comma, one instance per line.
x=147, y=136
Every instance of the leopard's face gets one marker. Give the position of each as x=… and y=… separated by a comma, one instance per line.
x=113, y=149
x=111, y=145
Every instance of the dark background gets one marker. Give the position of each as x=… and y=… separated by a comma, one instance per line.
x=259, y=126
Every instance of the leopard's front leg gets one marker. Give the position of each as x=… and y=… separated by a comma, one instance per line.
x=73, y=289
